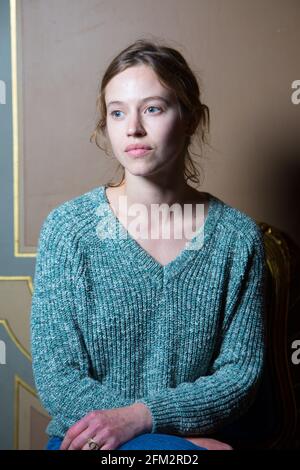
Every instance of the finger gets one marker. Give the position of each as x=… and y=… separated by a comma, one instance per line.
x=73, y=432
x=82, y=439
x=97, y=440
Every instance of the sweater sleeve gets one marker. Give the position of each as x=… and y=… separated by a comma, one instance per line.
x=218, y=398
x=59, y=358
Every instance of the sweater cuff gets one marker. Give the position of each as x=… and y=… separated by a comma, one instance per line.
x=165, y=416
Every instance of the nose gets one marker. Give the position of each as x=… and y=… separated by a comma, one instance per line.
x=135, y=126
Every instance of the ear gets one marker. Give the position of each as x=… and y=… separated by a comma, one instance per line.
x=189, y=121
x=191, y=126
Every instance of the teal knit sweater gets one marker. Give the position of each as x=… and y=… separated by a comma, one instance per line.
x=111, y=326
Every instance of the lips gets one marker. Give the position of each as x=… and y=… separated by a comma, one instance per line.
x=137, y=146
x=138, y=152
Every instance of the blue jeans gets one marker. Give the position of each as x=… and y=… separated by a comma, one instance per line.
x=148, y=441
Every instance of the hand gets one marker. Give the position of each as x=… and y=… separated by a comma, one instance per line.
x=209, y=443
x=108, y=428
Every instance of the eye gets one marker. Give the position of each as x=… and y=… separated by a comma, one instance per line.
x=113, y=113
x=154, y=107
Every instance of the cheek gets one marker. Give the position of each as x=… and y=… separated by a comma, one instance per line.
x=110, y=131
x=171, y=132
x=113, y=135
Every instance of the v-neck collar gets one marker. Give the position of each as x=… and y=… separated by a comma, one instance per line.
x=142, y=260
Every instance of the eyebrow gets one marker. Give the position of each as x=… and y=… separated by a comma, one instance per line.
x=144, y=100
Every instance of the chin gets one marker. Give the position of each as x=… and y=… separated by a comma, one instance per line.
x=140, y=168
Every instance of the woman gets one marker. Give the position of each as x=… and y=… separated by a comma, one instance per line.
x=141, y=340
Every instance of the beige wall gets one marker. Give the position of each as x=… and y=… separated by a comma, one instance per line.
x=245, y=53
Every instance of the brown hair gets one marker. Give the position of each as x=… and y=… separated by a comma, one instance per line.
x=174, y=73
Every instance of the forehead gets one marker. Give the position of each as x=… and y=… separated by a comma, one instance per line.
x=135, y=83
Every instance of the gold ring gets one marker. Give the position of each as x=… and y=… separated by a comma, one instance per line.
x=92, y=444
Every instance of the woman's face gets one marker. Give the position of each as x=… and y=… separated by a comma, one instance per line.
x=139, y=119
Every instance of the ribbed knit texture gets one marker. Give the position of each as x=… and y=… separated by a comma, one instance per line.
x=111, y=326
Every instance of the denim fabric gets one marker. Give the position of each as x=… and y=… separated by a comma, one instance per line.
x=148, y=441
x=157, y=441
x=53, y=443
